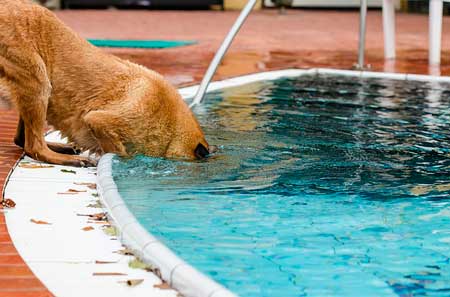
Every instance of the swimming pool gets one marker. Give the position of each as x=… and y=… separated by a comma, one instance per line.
x=324, y=185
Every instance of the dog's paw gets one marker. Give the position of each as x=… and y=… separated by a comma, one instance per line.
x=67, y=149
x=81, y=162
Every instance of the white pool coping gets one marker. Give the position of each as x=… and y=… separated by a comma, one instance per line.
x=63, y=255
x=190, y=92
x=179, y=274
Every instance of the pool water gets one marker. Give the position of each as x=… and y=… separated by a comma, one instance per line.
x=323, y=186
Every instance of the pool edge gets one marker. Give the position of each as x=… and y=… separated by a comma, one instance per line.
x=180, y=275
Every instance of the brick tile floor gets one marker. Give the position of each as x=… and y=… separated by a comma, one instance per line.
x=16, y=279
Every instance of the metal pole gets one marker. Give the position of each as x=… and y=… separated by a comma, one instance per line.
x=362, y=33
x=389, y=29
x=435, y=28
x=221, y=52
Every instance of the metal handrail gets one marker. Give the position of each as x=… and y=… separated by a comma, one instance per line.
x=221, y=52
x=198, y=98
x=362, y=34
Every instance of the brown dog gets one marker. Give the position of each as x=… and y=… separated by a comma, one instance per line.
x=100, y=102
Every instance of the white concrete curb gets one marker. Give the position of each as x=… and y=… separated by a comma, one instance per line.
x=180, y=275
x=174, y=270
x=189, y=92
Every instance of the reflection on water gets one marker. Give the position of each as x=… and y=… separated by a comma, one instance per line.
x=324, y=185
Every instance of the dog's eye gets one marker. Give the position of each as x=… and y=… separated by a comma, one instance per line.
x=201, y=151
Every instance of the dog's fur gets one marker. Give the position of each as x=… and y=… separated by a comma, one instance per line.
x=100, y=102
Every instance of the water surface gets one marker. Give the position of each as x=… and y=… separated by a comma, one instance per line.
x=323, y=186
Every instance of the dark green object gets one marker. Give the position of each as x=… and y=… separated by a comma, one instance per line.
x=139, y=43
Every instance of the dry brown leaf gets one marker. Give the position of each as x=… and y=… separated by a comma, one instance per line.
x=8, y=203
x=126, y=252
x=132, y=282
x=91, y=186
x=88, y=228
x=163, y=286
x=39, y=222
x=76, y=191
x=108, y=274
x=105, y=223
x=104, y=262
x=101, y=216
x=71, y=192
x=34, y=166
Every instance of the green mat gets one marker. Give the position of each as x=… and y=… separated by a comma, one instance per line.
x=139, y=43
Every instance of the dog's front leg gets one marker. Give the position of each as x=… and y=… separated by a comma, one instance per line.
x=32, y=89
x=35, y=146
x=62, y=148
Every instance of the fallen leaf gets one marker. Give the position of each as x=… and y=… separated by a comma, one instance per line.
x=157, y=272
x=108, y=273
x=163, y=286
x=88, y=228
x=76, y=191
x=100, y=223
x=126, y=252
x=68, y=171
x=138, y=264
x=8, y=203
x=105, y=262
x=34, y=166
x=94, y=194
x=72, y=192
x=111, y=231
x=132, y=282
x=39, y=222
x=101, y=216
x=97, y=204
x=91, y=186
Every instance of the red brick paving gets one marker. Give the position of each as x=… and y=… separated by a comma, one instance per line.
x=302, y=38
x=16, y=279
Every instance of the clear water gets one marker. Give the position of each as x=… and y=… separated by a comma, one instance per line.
x=324, y=186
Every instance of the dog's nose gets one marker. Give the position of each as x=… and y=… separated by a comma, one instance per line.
x=212, y=149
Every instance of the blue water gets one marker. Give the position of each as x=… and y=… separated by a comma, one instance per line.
x=323, y=186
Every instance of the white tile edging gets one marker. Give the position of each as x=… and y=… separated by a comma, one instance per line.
x=189, y=92
x=180, y=275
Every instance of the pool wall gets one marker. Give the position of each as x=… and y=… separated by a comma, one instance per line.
x=180, y=275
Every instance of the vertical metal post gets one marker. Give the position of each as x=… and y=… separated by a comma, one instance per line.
x=389, y=29
x=221, y=52
x=362, y=33
x=435, y=28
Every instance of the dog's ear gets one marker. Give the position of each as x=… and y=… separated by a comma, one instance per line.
x=106, y=127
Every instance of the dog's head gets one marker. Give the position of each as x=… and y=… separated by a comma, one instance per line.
x=154, y=120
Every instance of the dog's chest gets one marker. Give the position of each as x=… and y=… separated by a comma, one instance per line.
x=70, y=122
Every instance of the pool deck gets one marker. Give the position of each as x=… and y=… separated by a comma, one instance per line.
x=268, y=41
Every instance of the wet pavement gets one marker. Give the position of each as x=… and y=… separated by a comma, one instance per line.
x=268, y=40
